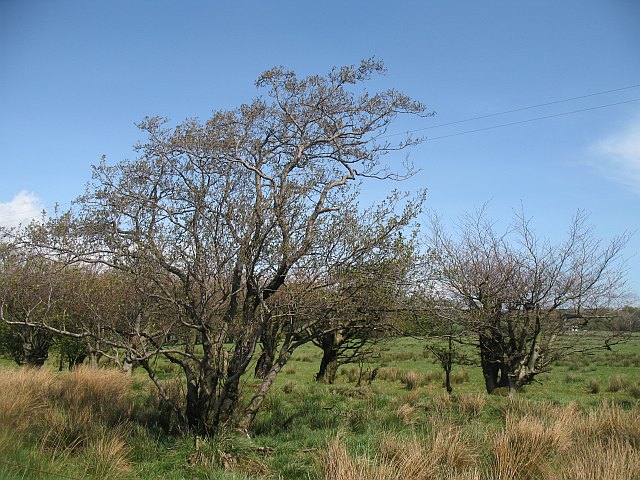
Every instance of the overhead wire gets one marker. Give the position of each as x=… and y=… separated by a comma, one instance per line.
x=514, y=110
x=528, y=120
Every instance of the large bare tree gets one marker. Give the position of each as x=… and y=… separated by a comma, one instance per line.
x=521, y=295
x=212, y=218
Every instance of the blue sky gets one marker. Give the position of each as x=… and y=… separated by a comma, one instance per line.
x=76, y=76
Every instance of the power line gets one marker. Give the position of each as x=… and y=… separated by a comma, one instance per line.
x=529, y=120
x=519, y=109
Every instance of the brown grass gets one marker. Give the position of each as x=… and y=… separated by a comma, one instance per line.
x=536, y=441
x=81, y=414
x=108, y=454
x=603, y=461
x=24, y=394
x=446, y=454
x=339, y=464
x=524, y=449
x=411, y=380
x=105, y=392
x=471, y=405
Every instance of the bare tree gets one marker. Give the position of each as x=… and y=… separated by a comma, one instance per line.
x=212, y=218
x=520, y=294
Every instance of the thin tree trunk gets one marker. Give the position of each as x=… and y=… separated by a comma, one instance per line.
x=252, y=409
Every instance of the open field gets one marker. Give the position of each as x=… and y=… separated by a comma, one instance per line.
x=581, y=422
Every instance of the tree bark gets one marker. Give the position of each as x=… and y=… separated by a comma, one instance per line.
x=252, y=409
x=329, y=364
x=489, y=362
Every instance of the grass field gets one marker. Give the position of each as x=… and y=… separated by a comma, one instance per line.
x=582, y=421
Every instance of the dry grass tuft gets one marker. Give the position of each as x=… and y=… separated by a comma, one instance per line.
x=24, y=393
x=446, y=454
x=523, y=449
x=471, y=405
x=78, y=414
x=603, y=461
x=441, y=403
x=405, y=412
x=106, y=392
x=537, y=441
x=411, y=380
x=107, y=455
x=612, y=423
x=617, y=383
x=391, y=374
x=339, y=464
x=459, y=376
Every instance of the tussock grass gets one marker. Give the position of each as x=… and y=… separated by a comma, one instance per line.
x=617, y=383
x=593, y=386
x=471, y=405
x=105, y=392
x=535, y=441
x=24, y=394
x=96, y=424
x=603, y=461
x=459, y=376
x=523, y=449
x=77, y=417
x=446, y=454
x=412, y=379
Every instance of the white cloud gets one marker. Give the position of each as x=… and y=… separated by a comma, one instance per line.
x=23, y=208
x=619, y=156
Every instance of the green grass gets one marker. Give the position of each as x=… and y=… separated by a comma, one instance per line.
x=301, y=417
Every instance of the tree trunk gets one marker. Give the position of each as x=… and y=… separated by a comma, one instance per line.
x=267, y=357
x=447, y=379
x=448, y=366
x=489, y=362
x=76, y=360
x=256, y=402
x=329, y=363
x=269, y=341
x=229, y=398
x=196, y=419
